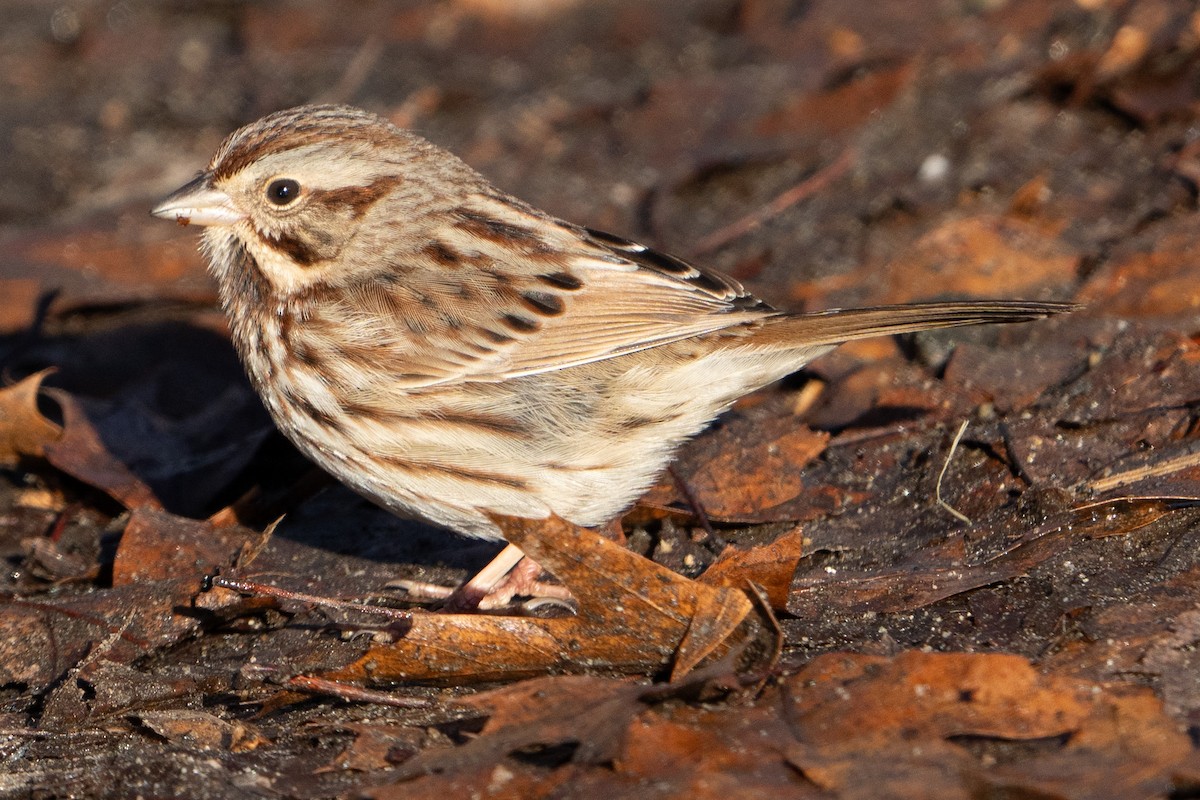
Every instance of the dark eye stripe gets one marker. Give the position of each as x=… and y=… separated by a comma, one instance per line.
x=358, y=199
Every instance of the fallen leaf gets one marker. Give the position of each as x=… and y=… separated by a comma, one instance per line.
x=868, y=726
x=750, y=470
x=158, y=546
x=770, y=566
x=24, y=431
x=199, y=730
x=81, y=453
x=634, y=617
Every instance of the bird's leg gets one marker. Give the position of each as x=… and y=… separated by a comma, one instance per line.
x=510, y=574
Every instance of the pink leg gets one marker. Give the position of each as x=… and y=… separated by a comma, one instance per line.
x=509, y=574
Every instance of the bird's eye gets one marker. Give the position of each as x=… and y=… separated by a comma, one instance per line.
x=282, y=191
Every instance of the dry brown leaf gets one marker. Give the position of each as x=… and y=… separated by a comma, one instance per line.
x=634, y=617
x=158, y=546
x=81, y=453
x=24, y=431
x=981, y=256
x=770, y=566
x=745, y=471
x=1166, y=273
x=199, y=730
x=871, y=726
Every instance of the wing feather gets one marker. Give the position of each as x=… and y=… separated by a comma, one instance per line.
x=530, y=294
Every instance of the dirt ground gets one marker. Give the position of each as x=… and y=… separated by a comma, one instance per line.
x=1016, y=616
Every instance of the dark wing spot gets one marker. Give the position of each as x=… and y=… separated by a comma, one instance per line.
x=494, y=230
x=303, y=353
x=544, y=303
x=520, y=323
x=484, y=422
x=495, y=336
x=302, y=404
x=443, y=255
x=709, y=283
x=561, y=280
x=609, y=239
x=640, y=254
x=465, y=474
x=663, y=262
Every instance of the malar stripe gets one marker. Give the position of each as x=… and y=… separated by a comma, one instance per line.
x=452, y=471
x=294, y=248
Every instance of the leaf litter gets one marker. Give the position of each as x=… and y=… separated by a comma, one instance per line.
x=1044, y=649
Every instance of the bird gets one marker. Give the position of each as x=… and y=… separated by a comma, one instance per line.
x=455, y=354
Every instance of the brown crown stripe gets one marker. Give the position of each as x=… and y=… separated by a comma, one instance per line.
x=287, y=132
x=451, y=470
x=358, y=199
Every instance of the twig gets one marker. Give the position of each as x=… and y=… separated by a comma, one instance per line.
x=945, y=466
x=805, y=188
x=1149, y=471
x=349, y=692
x=263, y=589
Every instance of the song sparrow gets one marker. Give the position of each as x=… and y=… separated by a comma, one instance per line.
x=449, y=351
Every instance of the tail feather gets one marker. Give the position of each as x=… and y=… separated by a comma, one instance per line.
x=844, y=325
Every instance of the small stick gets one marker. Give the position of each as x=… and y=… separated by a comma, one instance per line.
x=805, y=188
x=345, y=691
x=1166, y=467
x=253, y=588
x=945, y=466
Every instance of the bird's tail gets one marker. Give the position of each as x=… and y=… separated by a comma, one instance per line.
x=844, y=325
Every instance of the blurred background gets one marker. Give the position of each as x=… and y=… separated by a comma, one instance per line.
x=1062, y=129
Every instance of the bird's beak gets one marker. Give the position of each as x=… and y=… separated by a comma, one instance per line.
x=198, y=203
